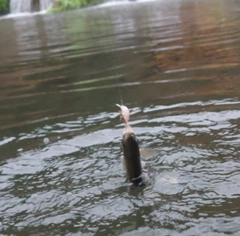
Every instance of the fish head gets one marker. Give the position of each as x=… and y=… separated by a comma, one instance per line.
x=128, y=129
x=130, y=143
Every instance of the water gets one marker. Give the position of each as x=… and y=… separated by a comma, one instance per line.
x=176, y=66
x=23, y=6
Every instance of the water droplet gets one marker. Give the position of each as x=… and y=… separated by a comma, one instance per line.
x=46, y=140
x=34, y=195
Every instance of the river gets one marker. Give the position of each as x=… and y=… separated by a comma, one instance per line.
x=176, y=65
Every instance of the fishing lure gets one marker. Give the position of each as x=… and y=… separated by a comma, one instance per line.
x=124, y=113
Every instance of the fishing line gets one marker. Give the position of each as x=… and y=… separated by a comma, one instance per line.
x=114, y=66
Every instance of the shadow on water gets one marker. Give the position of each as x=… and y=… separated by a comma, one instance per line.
x=175, y=64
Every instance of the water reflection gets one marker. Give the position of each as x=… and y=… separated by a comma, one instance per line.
x=175, y=64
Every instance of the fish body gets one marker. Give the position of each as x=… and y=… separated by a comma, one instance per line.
x=132, y=160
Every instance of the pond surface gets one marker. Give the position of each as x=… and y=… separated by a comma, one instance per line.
x=176, y=65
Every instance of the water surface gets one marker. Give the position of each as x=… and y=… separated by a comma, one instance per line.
x=175, y=64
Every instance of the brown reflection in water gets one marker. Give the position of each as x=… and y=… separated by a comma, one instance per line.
x=208, y=48
x=44, y=66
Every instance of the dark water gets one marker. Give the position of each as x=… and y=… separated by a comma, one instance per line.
x=176, y=65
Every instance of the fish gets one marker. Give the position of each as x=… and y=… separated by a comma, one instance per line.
x=132, y=160
x=131, y=151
